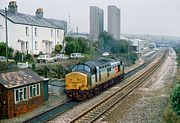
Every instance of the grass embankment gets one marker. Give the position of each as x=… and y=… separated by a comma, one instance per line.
x=169, y=115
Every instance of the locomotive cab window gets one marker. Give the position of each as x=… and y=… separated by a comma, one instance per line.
x=81, y=67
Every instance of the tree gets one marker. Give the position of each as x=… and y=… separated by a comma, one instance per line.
x=82, y=45
x=69, y=39
x=76, y=45
x=120, y=46
x=105, y=41
x=3, y=50
x=175, y=99
x=58, y=48
x=70, y=47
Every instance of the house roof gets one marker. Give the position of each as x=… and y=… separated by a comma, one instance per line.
x=20, y=18
x=19, y=78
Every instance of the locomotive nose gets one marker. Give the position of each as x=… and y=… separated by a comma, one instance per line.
x=76, y=81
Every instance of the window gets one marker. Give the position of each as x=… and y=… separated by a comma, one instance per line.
x=81, y=68
x=26, y=45
x=99, y=75
x=58, y=33
x=51, y=33
x=107, y=74
x=27, y=31
x=34, y=90
x=108, y=69
x=20, y=94
x=119, y=68
x=87, y=69
x=35, y=31
x=36, y=45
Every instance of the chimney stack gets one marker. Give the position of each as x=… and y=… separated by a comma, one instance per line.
x=12, y=7
x=39, y=13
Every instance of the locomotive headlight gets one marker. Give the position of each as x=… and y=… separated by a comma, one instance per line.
x=74, y=84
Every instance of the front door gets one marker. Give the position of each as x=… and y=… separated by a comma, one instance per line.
x=22, y=47
x=45, y=85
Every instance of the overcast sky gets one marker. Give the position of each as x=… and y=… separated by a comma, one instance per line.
x=154, y=17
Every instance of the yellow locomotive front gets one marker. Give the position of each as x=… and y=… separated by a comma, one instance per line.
x=76, y=83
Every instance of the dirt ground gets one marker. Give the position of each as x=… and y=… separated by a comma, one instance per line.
x=146, y=104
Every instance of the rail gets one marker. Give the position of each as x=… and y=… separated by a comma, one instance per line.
x=104, y=105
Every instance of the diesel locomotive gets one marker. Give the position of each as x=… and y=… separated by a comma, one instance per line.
x=90, y=78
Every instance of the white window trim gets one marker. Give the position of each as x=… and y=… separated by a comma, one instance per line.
x=36, y=45
x=19, y=95
x=36, y=90
x=27, y=45
x=58, y=34
x=36, y=31
x=52, y=32
x=27, y=31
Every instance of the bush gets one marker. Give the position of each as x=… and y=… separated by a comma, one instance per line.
x=3, y=50
x=175, y=99
x=169, y=116
x=3, y=66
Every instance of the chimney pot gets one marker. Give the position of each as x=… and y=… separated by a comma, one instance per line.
x=12, y=7
x=39, y=13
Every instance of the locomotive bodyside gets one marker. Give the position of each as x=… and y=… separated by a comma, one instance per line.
x=87, y=79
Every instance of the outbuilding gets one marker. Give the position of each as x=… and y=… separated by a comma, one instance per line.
x=21, y=91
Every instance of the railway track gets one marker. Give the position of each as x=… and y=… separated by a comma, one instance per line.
x=103, y=106
x=52, y=113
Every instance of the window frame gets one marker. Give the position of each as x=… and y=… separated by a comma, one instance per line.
x=35, y=31
x=34, y=87
x=51, y=32
x=36, y=45
x=27, y=45
x=27, y=31
x=58, y=34
x=20, y=90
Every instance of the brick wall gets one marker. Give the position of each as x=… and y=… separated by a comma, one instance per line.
x=24, y=106
x=3, y=107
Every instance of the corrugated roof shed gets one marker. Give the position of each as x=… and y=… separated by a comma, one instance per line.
x=20, y=18
x=19, y=78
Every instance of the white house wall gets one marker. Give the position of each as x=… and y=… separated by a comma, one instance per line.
x=17, y=33
x=2, y=29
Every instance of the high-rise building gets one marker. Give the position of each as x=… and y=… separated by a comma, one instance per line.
x=96, y=22
x=114, y=22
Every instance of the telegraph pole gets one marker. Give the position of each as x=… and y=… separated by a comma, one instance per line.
x=129, y=49
x=6, y=35
x=77, y=38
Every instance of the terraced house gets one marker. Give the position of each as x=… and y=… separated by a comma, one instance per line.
x=32, y=34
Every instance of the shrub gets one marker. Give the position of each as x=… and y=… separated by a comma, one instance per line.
x=3, y=66
x=169, y=116
x=175, y=99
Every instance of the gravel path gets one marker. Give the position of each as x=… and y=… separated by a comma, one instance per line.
x=147, y=103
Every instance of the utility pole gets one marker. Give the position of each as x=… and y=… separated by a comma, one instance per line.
x=64, y=39
x=77, y=38
x=6, y=35
x=129, y=49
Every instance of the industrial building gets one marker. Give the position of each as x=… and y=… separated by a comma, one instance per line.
x=139, y=45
